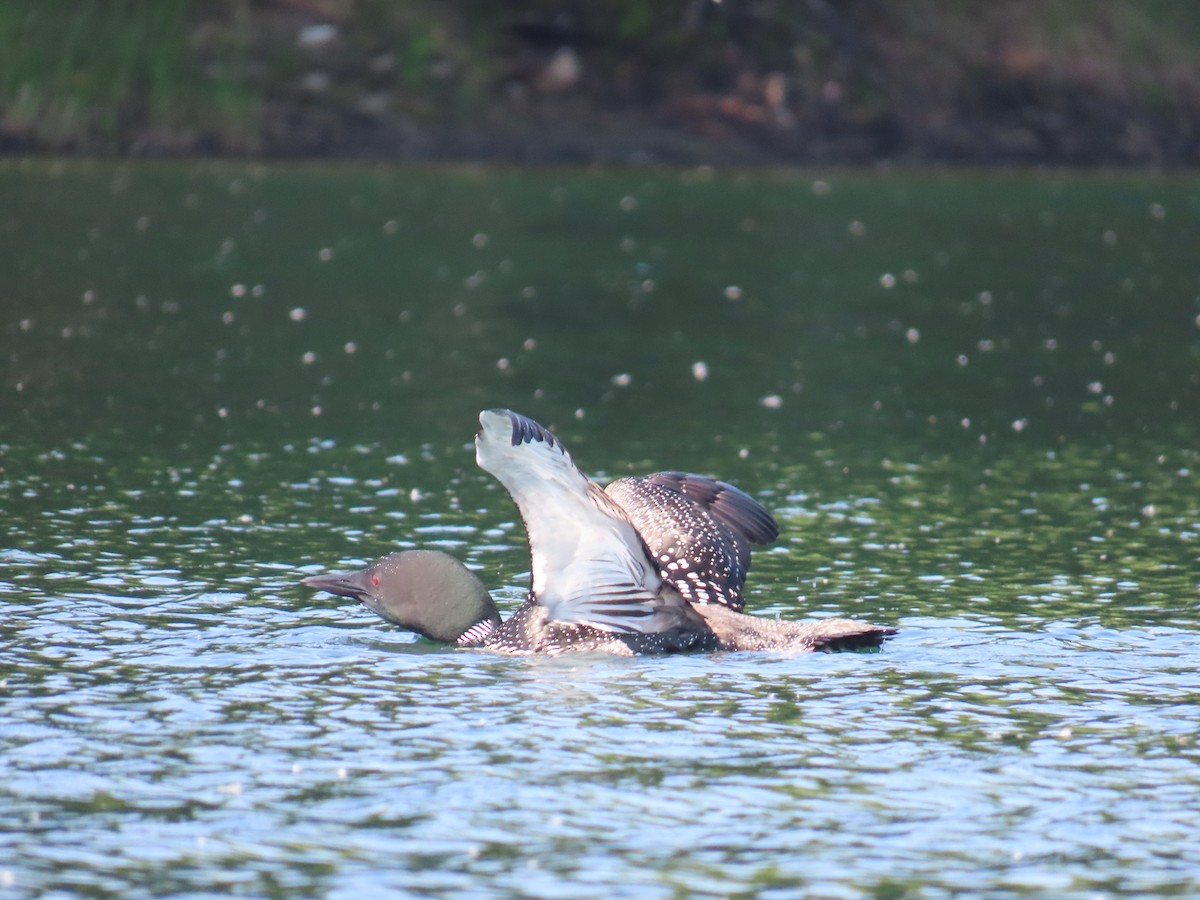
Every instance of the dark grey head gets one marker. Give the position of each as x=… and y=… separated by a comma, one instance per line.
x=424, y=591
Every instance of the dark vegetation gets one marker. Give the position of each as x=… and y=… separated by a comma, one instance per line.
x=686, y=81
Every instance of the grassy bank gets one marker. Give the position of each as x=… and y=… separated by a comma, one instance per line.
x=121, y=75
x=1075, y=81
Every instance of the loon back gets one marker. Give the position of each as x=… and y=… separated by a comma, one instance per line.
x=435, y=595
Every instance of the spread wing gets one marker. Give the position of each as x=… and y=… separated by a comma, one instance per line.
x=590, y=565
x=698, y=530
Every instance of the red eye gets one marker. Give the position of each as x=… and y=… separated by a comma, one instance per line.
x=375, y=580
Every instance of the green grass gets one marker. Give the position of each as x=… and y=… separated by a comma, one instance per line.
x=83, y=72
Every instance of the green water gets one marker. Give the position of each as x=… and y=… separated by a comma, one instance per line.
x=971, y=400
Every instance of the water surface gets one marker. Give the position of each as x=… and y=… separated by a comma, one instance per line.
x=972, y=401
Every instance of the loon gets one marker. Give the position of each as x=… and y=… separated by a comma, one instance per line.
x=652, y=564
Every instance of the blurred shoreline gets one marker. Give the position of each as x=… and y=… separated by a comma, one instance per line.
x=1100, y=83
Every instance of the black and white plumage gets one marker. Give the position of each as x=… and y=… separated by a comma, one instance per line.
x=653, y=565
x=590, y=567
x=698, y=530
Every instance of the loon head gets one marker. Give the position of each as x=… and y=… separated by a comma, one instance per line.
x=425, y=591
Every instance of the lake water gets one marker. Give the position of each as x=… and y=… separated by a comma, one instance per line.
x=971, y=400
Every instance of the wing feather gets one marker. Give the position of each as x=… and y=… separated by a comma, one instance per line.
x=590, y=565
x=698, y=530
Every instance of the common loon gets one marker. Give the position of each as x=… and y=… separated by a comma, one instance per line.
x=650, y=565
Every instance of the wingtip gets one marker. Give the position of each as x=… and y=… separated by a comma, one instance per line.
x=490, y=418
x=521, y=429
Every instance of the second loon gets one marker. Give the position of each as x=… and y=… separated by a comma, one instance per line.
x=650, y=565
